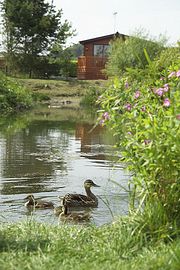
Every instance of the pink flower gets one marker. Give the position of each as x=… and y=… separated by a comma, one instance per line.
x=137, y=94
x=166, y=87
x=166, y=102
x=101, y=122
x=129, y=133
x=106, y=116
x=178, y=73
x=159, y=91
x=128, y=106
x=126, y=84
x=172, y=74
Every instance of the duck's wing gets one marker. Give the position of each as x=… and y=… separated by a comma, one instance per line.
x=43, y=204
x=84, y=216
x=69, y=198
x=76, y=216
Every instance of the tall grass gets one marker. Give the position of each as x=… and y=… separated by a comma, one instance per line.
x=117, y=246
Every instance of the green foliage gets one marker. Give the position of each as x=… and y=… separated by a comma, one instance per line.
x=30, y=30
x=64, y=61
x=76, y=50
x=116, y=246
x=131, y=53
x=91, y=96
x=168, y=56
x=143, y=109
x=13, y=97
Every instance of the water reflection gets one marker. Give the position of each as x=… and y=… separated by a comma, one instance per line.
x=50, y=153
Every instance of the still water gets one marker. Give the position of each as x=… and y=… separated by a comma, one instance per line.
x=50, y=152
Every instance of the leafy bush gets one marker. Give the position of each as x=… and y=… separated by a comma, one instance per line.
x=167, y=57
x=144, y=112
x=90, y=97
x=13, y=97
x=130, y=53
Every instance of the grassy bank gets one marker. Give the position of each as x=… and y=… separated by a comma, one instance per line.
x=20, y=94
x=13, y=97
x=116, y=246
x=56, y=92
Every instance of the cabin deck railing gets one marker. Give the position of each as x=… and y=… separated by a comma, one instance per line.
x=2, y=63
x=91, y=67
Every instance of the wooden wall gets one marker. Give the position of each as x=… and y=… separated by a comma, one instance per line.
x=2, y=63
x=91, y=67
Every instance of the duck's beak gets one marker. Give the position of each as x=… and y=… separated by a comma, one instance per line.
x=94, y=185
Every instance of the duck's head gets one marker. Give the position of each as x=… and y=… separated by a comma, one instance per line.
x=89, y=183
x=30, y=197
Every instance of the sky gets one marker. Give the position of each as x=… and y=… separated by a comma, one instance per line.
x=94, y=18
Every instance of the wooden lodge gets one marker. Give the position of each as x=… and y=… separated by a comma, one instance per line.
x=92, y=63
x=2, y=63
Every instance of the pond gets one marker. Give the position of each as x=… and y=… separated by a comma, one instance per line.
x=50, y=152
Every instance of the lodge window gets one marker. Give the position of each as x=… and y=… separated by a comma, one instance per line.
x=101, y=50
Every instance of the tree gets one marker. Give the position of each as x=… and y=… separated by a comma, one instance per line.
x=76, y=50
x=31, y=28
x=65, y=59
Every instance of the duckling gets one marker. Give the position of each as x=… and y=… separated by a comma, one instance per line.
x=37, y=203
x=79, y=200
x=58, y=210
x=75, y=216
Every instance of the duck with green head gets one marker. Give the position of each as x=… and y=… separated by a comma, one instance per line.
x=79, y=200
x=33, y=203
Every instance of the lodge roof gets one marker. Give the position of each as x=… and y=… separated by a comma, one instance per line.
x=111, y=36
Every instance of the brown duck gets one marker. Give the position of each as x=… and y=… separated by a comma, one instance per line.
x=58, y=210
x=32, y=202
x=73, y=216
x=79, y=200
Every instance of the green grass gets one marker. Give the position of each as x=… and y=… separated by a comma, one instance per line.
x=59, y=87
x=116, y=246
x=55, y=92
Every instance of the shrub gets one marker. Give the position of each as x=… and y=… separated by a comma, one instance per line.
x=144, y=113
x=167, y=57
x=91, y=95
x=130, y=53
x=13, y=97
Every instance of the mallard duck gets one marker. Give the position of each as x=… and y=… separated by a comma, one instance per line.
x=79, y=200
x=73, y=216
x=31, y=202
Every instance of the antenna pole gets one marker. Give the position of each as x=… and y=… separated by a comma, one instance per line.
x=114, y=14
